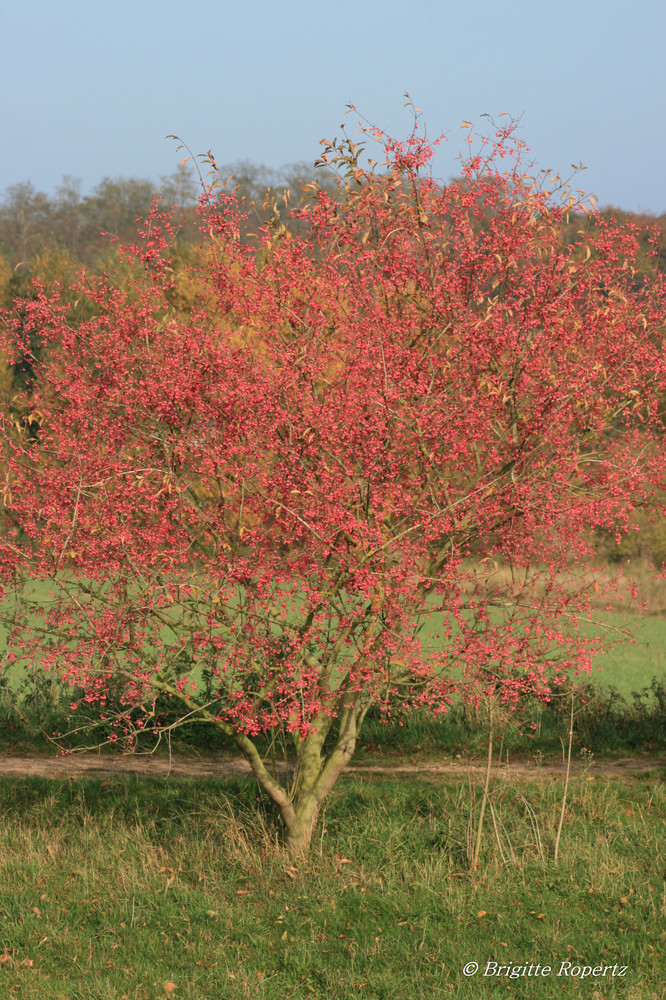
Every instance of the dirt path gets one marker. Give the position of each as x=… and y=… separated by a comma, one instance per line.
x=82, y=765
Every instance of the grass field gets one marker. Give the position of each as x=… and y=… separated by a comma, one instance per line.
x=631, y=666
x=610, y=719
x=627, y=666
x=133, y=889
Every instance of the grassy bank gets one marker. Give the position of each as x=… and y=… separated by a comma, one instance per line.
x=133, y=889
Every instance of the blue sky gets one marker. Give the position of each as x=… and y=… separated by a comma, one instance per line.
x=91, y=89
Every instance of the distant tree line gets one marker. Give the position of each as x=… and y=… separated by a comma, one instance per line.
x=41, y=234
x=80, y=225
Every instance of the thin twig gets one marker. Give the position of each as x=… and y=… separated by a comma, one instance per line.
x=484, y=800
x=566, y=784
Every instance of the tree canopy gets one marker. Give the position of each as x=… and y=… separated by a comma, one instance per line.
x=288, y=506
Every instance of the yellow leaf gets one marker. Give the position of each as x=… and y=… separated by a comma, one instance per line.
x=169, y=987
x=466, y=125
x=481, y=914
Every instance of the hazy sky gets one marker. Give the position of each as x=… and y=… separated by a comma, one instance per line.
x=91, y=89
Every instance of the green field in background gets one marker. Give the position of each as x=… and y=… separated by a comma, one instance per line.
x=627, y=665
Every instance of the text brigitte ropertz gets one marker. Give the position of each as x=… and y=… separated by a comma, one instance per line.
x=534, y=970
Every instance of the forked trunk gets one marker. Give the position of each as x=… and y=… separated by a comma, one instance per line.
x=314, y=777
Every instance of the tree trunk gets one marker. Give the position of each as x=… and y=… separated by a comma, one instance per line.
x=298, y=834
x=314, y=777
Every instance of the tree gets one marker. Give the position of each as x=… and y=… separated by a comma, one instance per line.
x=362, y=473
x=26, y=221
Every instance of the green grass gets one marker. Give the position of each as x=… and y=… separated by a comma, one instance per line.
x=113, y=889
x=627, y=666
x=631, y=666
x=605, y=724
x=618, y=712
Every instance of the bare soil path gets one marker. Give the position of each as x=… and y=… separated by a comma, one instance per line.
x=75, y=765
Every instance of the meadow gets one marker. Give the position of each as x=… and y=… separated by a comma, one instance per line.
x=620, y=706
x=129, y=888
x=126, y=889
x=636, y=652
